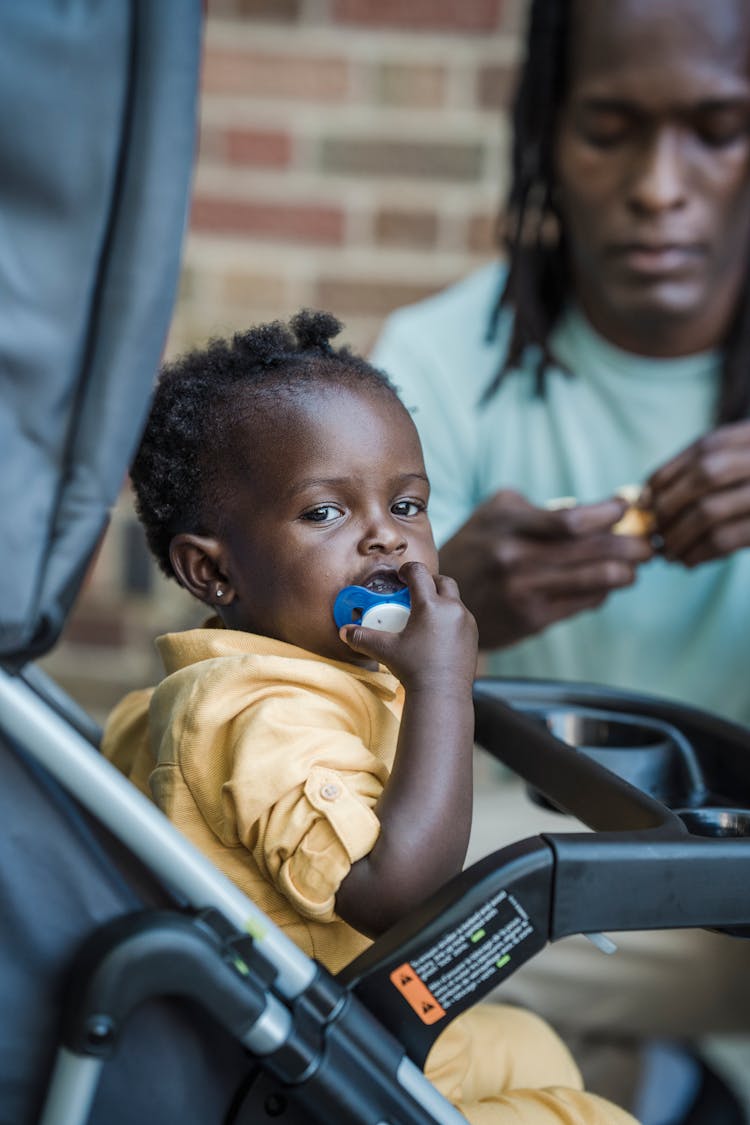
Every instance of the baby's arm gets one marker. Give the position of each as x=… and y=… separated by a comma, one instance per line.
x=425, y=808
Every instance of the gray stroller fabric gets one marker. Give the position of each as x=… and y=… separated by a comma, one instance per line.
x=97, y=142
x=60, y=877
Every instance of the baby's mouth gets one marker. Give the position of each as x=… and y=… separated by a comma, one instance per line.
x=383, y=582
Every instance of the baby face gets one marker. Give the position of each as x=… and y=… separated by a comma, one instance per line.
x=333, y=494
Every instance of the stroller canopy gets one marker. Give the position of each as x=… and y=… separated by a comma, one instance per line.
x=96, y=148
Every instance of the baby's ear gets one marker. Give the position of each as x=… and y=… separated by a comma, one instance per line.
x=197, y=561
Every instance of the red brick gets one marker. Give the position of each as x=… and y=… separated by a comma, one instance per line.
x=253, y=290
x=260, y=147
x=352, y=297
x=280, y=11
x=212, y=144
x=417, y=159
x=253, y=74
x=481, y=235
x=496, y=86
x=94, y=625
x=412, y=85
x=515, y=18
x=394, y=227
x=292, y=221
x=439, y=15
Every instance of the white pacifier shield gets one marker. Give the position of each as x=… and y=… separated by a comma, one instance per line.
x=388, y=618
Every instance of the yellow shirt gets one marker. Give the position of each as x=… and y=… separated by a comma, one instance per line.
x=270, y=759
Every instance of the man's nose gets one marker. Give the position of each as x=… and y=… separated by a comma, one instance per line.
x=658, y=180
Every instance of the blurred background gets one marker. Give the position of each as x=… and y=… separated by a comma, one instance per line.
x=352, y=157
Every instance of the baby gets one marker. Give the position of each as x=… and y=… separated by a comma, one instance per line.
x=326, y=770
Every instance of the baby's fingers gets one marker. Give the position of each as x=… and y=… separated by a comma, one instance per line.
x=447, y=587
x=420, y=582
x=369, y=642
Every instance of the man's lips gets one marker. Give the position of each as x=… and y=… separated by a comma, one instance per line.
x=658, y=258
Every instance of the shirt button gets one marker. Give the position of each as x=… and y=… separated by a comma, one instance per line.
x=329, y=791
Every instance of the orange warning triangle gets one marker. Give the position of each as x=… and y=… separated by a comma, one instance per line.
x=417, y=994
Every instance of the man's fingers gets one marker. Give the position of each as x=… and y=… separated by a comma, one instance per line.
x=509, y=513
x=706, y=517
x=574, y=581
x=558, y=609
x=512, y=553
x=696, y=538
x=715, y=460
x=572, y=523
x=588, y=519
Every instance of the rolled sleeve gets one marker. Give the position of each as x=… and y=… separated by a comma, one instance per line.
x=354, y=822
x=341, y=829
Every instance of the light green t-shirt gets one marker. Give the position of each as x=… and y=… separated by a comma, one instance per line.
x=676, y=633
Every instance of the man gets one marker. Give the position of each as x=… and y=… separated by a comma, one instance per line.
x=614, y=349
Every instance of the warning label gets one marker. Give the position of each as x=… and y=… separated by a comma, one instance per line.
x=417, y=994
x=464, y=958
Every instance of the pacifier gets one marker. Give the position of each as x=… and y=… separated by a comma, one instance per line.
x=356, y=605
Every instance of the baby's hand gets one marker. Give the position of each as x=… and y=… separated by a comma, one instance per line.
x=438, y=646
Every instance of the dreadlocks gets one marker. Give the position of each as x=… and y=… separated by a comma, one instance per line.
x=538, y=279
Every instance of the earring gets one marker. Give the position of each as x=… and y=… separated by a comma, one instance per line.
x=219, y=592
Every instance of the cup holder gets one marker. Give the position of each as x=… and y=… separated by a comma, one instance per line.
x=716, y=822
x=592, y=732
x=648, y=753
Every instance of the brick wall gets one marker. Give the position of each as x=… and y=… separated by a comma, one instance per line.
x=352, y=157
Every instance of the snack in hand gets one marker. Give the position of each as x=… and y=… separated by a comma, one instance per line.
x=637, y=519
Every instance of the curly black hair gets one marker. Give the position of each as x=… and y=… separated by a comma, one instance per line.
x=182, y=454
x=538, y=281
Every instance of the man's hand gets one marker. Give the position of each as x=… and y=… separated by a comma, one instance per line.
x=521, y=568
x=701, y=498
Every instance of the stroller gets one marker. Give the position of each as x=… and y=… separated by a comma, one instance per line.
x=136, y=982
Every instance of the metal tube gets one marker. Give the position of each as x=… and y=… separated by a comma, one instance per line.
x=134, y=820
x=72, y=1089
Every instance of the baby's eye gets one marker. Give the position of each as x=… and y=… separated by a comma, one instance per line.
x=324, y=513
x=407, y=508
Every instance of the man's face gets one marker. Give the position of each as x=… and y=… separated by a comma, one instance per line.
x=333, y=494
x=653, y=168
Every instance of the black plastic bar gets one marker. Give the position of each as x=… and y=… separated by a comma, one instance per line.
x=570, y=780
x=146, y=954
x=360, y=1082
x=639, y=882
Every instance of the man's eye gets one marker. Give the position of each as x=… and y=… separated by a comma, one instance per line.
x=722, y=128
x=605, y=136
x=604, y=129
x=407, y=508
x=324, y=513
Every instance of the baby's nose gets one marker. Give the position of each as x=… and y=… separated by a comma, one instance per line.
x=386, y=537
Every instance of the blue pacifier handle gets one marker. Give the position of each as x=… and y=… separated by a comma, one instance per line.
x=353, y=602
